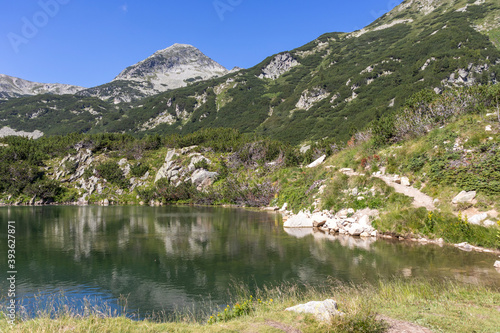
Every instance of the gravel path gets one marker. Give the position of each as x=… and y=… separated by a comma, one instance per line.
x=419, y=199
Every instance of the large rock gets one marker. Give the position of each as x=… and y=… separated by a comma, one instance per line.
x=301, y=220
x=464, y=197
x=317, y=162
x=332, y=224
x=163, y=172
x=489, y=223
x=202, y=178
x=356, y=229
x=323, y=311
x=405, y=181
x=364, y=221
x=319, y=219
x=478, y=218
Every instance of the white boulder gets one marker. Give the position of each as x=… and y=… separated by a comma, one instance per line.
x=356, y=229
x=489, y=223
x=323, y=311
x=478, y=218
x=464, y=197
x=365, y=221
x=301, y=220
x=317, y=162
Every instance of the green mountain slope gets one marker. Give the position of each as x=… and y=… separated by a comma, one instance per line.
x=336, y=83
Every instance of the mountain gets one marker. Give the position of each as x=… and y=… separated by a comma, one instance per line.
x=330, y=87
x=171, y=68
x=16, y=87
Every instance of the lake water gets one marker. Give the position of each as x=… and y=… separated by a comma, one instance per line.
x=163, y=258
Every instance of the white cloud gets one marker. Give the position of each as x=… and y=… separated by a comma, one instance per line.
x=124, y=8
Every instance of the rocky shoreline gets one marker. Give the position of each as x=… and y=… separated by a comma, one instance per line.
x=356, y=225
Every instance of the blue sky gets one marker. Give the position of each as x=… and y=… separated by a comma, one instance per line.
x=89, y=42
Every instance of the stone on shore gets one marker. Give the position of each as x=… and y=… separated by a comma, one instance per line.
x=497, y=264
x=301, y=220
x=323, y=311
x=365, y=221
x=356, y=229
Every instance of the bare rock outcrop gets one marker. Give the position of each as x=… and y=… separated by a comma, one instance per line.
x=281, y=64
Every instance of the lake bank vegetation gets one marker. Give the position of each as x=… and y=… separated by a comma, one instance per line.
x=440, y=306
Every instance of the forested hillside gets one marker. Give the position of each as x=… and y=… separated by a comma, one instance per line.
x=329, y=88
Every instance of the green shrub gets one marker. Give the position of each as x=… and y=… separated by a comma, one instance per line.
x=203, y=164
x=45, y=189
x=112, y=173
x=139, y=169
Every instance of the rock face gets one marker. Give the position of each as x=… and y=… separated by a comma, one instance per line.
x=7, y=131
x=323, y=311
x=202, y=178
x=281, y=64
x=15, y=87
x=309, y=98
x=174, y=171
x=464, y=197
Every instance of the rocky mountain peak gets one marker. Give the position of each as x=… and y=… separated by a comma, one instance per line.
x=173, y=67
x=166, y=69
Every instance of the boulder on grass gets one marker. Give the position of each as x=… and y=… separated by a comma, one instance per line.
x=464, y=197
x=323, y=311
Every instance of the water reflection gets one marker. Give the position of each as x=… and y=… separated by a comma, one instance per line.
x=167, y=257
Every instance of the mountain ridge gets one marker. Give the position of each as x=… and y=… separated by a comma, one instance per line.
x=12, y=87
x=330, y=87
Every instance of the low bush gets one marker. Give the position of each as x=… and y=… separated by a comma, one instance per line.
x=112, y=173
x=139, y=169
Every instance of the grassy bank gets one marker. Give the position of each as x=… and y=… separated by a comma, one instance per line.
x=440, y=306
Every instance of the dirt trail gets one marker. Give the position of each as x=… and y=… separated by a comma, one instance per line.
x=419, y=199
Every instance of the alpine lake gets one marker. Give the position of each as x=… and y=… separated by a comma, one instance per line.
x=144, y=261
